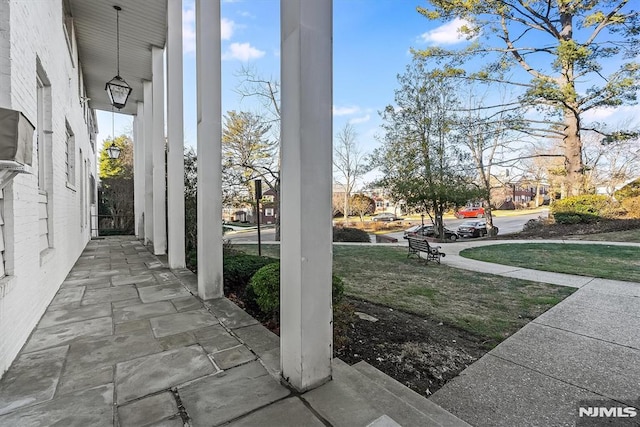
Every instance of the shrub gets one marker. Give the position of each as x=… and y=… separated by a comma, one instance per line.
x=630, y=190
x=337, y=289
x=569, y=218
x=346, y=234
x=580, y=209
x=265, y=284
x=631, y=205
x=238, y=269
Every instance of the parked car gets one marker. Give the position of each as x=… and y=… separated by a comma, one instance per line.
x=385, y=216
x=470, y=212
x=473, y=228
x=429, y=231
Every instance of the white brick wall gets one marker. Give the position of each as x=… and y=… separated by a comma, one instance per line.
x=34, y=31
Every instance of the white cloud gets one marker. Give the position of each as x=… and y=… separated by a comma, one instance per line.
x=445, y=34
x=358, y=120
x=227, y=28
x=598, y=114
x=242, y=52
x=612, y=114
x=345, y=111
x=189, y=30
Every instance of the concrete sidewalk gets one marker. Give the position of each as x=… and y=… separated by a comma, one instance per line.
x=126, y=343
x=585, y=351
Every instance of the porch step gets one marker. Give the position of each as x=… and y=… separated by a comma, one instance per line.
x=354, y=399
x=441, y=416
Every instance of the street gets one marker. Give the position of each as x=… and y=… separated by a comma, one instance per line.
x=506, y=224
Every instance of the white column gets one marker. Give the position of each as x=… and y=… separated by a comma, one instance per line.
x=208, y=68
x=159, y=181
x=306, y=343
x=175, y=134
x=138, y=170
x=148, y=160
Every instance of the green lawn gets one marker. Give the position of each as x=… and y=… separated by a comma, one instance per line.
x=597, y=260
x=490, y=306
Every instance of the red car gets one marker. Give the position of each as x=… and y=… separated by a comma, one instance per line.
x=471, y=212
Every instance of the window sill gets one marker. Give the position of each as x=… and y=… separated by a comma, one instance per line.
x=46, y=256
x=7, y=283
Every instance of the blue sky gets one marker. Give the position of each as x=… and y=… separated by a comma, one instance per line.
x=371, y=46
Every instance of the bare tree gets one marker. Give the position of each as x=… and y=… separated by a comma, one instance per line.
x=485, y=131
x=609, y=166
x=267, y=92
x=349, y=163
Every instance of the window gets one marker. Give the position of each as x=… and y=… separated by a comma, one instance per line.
x=40, y=136
x=92, y=192
x=70, y=155
x=268, y=212
x=67, y=26
x=44, y=167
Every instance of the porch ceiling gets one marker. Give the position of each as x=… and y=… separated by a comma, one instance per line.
x=143, y=23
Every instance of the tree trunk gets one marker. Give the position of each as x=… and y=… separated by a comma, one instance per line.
x=346, y=207
x=573, y=154
x=572, y=143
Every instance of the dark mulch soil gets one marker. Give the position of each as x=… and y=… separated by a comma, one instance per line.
x=544, y=230
x=421, y=353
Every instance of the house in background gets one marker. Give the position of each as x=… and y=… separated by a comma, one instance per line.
x=268, y=207
x=520, y=194
x=384, y=202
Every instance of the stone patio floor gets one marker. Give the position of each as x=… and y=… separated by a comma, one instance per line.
x=126, y=343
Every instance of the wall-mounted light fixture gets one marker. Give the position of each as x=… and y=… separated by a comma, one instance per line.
x=117, y=88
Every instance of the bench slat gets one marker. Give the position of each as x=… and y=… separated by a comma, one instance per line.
x=421, y=245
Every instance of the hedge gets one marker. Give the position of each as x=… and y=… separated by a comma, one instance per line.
x=580, y=209
x=347, y=234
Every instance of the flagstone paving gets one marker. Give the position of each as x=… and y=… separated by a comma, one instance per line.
x=126, y=342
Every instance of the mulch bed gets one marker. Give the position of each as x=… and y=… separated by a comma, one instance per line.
x=541, y=230
x=419, y=352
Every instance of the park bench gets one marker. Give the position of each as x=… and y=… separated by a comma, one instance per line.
x=417, y=245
